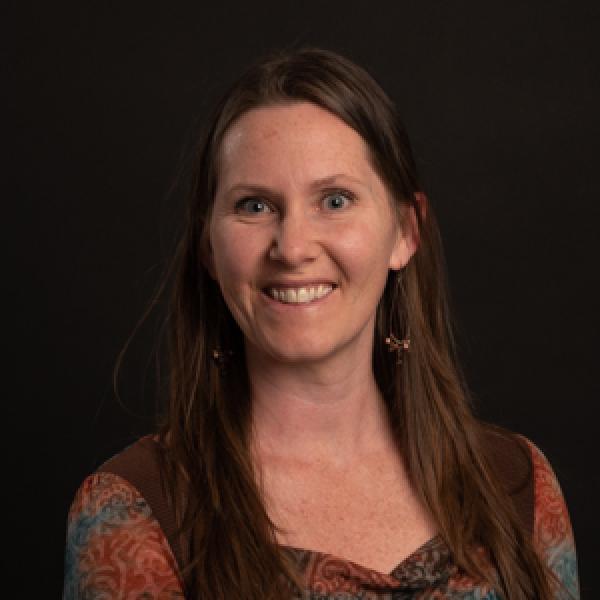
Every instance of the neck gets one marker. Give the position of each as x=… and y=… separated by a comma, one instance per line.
x=328, y=410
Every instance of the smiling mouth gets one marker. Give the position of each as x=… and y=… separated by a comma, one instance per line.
x=300, y=295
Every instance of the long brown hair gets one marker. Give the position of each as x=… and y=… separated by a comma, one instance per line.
x=209, y=473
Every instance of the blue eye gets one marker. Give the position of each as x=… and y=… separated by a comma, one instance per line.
x=337, y=200
x=253, y=206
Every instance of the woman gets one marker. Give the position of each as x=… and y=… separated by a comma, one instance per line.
x=318, y=441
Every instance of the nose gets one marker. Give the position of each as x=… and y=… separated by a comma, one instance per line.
x=294, y=242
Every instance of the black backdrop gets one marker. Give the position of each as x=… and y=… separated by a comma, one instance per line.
x=501, y=101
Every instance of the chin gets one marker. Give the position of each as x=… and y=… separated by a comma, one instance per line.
x=299, y=345
x=305, y=352
x=298, y=355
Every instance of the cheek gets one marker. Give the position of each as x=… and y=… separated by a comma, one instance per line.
x=364, y=251
x=235, y=258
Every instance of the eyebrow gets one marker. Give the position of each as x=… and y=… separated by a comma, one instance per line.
x=317, y=184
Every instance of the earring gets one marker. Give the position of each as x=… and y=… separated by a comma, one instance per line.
x=221, y=357
x=398, y=346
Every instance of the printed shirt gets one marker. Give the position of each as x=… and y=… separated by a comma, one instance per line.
x=116, y=549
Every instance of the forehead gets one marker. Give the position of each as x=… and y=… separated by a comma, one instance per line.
x=299, y=140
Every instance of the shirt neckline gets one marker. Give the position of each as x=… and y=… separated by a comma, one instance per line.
x=427, y=565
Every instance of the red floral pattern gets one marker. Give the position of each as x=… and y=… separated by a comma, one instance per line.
x=327, y=574
x=116, y=548
x=552, y=524
x=553, y=535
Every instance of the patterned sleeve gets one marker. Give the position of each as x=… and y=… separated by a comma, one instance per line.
x=115, y=547
x=553, y=535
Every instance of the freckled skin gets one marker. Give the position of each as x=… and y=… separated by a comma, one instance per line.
x=285, y=150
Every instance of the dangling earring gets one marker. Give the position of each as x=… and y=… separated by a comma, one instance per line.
x=398, y=346
x=221, y=358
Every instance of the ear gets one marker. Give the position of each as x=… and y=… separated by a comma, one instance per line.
x=407, y=237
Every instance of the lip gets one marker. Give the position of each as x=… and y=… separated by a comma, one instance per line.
x=285, y=306
x=284, y=284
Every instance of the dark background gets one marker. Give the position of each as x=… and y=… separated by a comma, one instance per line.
x=501, y=102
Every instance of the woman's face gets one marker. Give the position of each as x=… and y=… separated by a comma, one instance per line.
x=302, y=233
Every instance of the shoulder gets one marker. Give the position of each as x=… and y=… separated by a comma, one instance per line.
x=551, y=526
x=110, y=496
x=509, y=454
x=136, y=460
x=520, y=464
x=115, y=545
x=551, y=515
x=509, y=458
x=552, y=523
x=553, y=534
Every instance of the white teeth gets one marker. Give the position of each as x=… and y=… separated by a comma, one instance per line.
x=303, y=295
x=300, y=295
